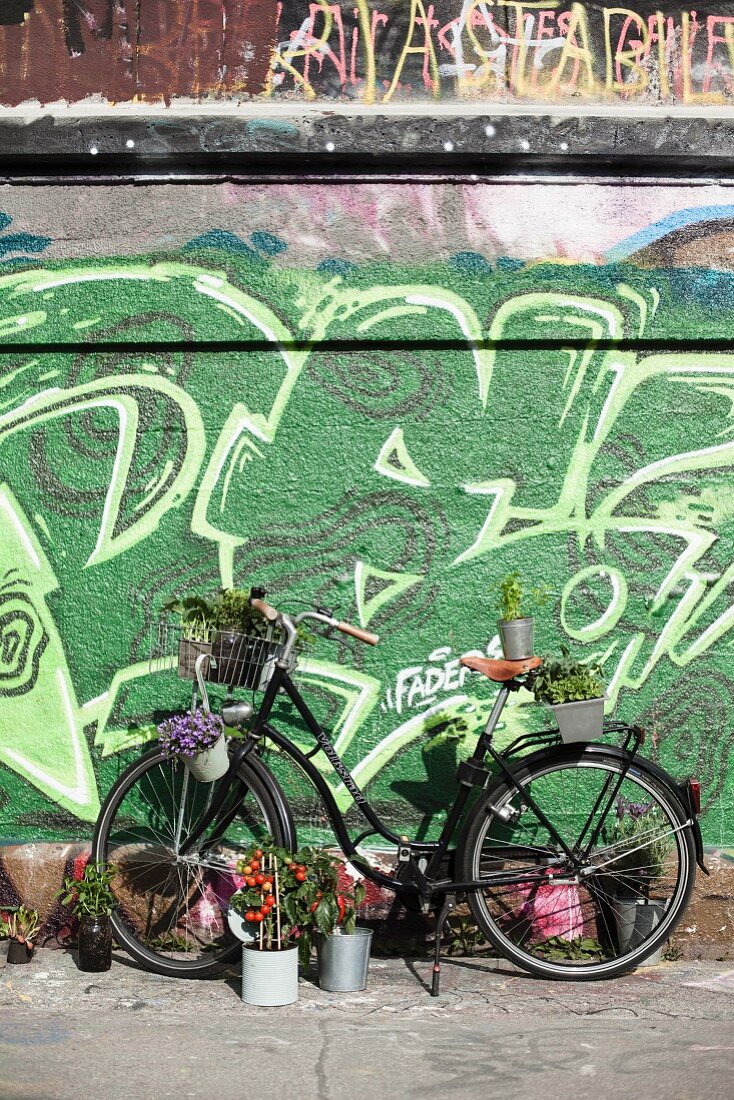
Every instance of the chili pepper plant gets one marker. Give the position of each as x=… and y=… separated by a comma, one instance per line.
x=289, y=896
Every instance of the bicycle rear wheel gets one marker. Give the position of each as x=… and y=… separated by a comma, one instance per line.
x=171, y=911
x=639, y=872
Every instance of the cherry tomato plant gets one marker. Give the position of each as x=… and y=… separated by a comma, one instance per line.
x=289, y=896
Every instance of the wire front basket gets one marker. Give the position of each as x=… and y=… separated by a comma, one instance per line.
x=232, y=659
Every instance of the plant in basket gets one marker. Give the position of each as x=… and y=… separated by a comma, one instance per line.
x=640, y=844
x=198, y=739
x=92, y=901
x=21, y=925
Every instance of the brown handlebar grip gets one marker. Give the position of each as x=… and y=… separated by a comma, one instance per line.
x=357, y=632
x=265, y=609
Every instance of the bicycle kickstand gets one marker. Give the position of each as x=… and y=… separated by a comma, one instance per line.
x=448, y=907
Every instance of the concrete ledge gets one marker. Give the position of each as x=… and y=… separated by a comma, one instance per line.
x=333, y=140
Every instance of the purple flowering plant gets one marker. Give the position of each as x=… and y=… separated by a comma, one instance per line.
x=642, y=841
x=189, y=734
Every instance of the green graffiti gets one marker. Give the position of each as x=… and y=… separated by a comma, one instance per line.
x=394, y=486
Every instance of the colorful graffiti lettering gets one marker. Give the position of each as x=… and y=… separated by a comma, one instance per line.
x=411, y=49
x=533, y=418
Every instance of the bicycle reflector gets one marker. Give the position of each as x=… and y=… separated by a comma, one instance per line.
x=694, y=786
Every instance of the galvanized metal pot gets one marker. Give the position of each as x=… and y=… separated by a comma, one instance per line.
x=210, y=764
x=636, y=918
x=344, y=960
x=516, y=636
x=269, y=978
x=581, y=721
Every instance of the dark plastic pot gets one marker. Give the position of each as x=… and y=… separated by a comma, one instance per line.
x=19, y=953
x=95, y=944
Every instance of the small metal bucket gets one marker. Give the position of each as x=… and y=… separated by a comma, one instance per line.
x=344, y=960
x=517, y=638
x=636, y=919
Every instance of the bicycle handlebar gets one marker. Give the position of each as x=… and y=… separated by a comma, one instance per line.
x=272, y=616
x=357, y=632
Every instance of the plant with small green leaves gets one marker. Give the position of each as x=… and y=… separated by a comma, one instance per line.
x=583, y=949
x=512, y=594
x=91, y=895
x=566, y=680
x=197, y=615
x=21, y=923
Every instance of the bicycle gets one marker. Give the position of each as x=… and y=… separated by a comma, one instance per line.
x=530, y=842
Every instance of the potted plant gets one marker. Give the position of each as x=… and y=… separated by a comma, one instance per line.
x=273, y=901
x=575, y=693
x=516, y=629
x=343, y=949
x=92, y=901
x=196, y=614
x=641, y=842
x=198, y=739
x=21, y=926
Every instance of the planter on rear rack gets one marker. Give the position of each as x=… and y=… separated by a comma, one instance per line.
x=580, y=721
x=344, y=960
x=517, y=639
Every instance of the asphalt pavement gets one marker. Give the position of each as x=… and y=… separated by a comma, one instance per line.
x=664, y=1031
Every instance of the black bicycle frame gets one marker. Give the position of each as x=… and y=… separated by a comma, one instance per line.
x=421, y=881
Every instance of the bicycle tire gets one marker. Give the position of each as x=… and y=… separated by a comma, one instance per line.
x=518, y=919
x=134, y=830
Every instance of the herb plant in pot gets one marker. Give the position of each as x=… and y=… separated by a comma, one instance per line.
x=92, y=901
x=198, y=739
x=641, y=844
x=516, y=629
x=21, y=925
x=575, y=693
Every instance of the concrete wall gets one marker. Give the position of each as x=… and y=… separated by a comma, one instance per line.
x=372, y=51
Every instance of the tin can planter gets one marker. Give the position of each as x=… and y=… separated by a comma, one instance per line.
x=95, y=944
x=19, y=952
x=581, y=721
x=211, y=764
x=517, y=637
x=344, y=960
x=269, y=978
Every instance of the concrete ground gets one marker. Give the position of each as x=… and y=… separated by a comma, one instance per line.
x=664, y=1031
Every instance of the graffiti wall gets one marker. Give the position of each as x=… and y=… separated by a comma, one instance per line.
x=381, y=398
x=370, y=51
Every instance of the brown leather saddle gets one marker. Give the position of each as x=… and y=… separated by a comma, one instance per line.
x=501, y=671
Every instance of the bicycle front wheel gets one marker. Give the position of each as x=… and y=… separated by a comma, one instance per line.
x=171, y=904
x=629, y=832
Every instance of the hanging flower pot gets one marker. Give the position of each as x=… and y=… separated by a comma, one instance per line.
x=198, y=739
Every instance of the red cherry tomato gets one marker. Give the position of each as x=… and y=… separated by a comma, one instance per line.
x=260, y=878
x=250, y=880
x=258, y=853
x=249, y=915
x=300, y=876
x=257, y=917
x=255, y=864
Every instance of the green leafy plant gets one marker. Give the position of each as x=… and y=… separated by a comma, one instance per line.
x=466, y=938
x=197, y=615
x=512, y=594
x=578, y=950
x=228, y=610
x=91, y=895
x=641, y=842
x=21, y=923
x=288, y=896
x=565, y=680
